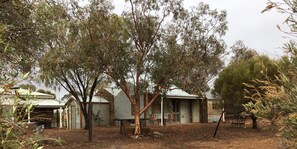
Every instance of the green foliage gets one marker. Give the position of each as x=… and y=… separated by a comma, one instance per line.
x=15, y=132
x=86, y=44
x=165, y=44
x=230, y=84
x=266, y=99
x=28, y=86
x=242, y=52
x=19, y=33
x=19, y=48
x=276, y=101
x=75, y=38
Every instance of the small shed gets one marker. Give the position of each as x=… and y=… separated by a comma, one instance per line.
x=74, y=115
x=215, y=107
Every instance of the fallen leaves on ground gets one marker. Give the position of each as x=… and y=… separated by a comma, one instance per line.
x=197, y=135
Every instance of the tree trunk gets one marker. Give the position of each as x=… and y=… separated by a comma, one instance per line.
x=86, y=122
x=84, y=110
x=111, y=112
x=137, y=120
x=254, y=119
x=90, y=122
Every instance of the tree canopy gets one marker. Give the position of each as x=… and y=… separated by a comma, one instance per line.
x=276, y=100
x=165, y=44
x=19, y=36
x=152, y=45
x=73, y=49
x=230, y=83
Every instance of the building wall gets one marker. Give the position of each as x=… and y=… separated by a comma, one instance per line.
x=179, y=111
x=123, y=107
x=74, y=115
x=108, y=96
x=195, y=110
x=214, y=110
x=101, y=114
x=76, y=118
x=185, y=112
x=44, y=116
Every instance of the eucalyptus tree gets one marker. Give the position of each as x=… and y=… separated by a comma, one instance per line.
x=162, y=43
x=72, y=57
x=241, y=52
x=19, y=37
x=230, y=83
x=278, y=102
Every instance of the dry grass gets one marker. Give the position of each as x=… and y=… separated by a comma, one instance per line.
x=174, y=137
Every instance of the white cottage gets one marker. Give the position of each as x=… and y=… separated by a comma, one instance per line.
x=178, y=107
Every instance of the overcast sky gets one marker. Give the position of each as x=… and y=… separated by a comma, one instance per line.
x=246, y=22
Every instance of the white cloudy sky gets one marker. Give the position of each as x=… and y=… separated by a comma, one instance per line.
x=247, y=23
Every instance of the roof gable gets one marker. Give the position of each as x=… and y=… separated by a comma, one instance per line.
x=95, y=99
x=175, y=92
x=113, y=91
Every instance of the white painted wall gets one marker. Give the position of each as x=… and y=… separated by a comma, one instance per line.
x=76, y=118
x=103, y=116
x=213, y=114
x=185, y=112
x=74, y=115
x=102, y=113
x=122, y=106
x=195, y=111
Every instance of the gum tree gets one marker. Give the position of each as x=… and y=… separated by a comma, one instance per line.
x=19, y=48
x=164, y=44
x=230, y=83
x=71, y=53
x=19, y=38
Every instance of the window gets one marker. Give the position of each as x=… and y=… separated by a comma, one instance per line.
x=216, y=105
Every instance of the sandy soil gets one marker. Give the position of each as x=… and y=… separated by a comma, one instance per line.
x=172, y=137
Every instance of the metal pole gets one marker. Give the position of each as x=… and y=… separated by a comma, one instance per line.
x=214, y=135
x=162, y=112
x=223, y=110
x=67, y=118
x=60, y=114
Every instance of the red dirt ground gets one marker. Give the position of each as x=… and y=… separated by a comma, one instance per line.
x=173, y=137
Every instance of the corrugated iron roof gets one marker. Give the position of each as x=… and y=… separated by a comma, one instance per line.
x=175, y=92
x=209, y=95
x=46, y=103
x=37, y=99
x=96, y=99
x=113, y=91
x=37, y=103
x=26, y=93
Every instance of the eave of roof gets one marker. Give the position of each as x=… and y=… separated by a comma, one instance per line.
x=182, y=97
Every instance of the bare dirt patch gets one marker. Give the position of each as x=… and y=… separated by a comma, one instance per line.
x=173, y=137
